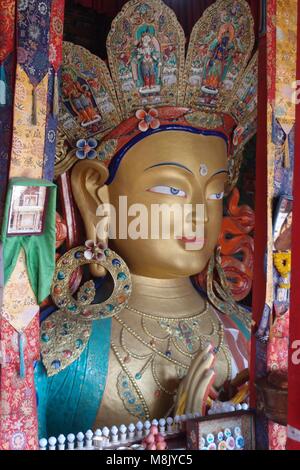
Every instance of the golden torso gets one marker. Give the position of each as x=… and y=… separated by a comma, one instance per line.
x=156, y=354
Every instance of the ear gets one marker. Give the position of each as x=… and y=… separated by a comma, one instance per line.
x=88, y=185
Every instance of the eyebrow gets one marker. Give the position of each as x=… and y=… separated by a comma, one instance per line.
x=219, y=172
x=170, y=164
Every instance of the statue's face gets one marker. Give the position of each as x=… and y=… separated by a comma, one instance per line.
x=146, y=40
x=171, y=167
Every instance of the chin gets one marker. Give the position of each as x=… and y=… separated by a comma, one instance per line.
x=165, y=262
x=186, y=267
x=193, y=262
x=190, y=271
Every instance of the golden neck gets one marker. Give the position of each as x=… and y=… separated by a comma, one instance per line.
x=174, y=297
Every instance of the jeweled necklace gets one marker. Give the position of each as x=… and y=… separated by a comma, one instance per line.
x=179, y=331
x=163, y=317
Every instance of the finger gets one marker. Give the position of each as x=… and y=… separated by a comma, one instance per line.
x=195, y=365
x=213, y=394
x=211, y=379
x=179, y=398
x=207, y=363
x=181, y=405
x=201, y=395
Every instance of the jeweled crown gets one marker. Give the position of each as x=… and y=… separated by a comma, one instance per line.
x=152, y=84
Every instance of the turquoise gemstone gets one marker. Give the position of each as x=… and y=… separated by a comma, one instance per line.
x=110, y=307
x=60, y=276
x=126, y=288
x=72, y=308
x=45, y=338
x=138, y=376
x=131, y=401
x=116, y=262
x=107, y=252
x=56, y=364
x=78, y=343
x=122, y=277
x=78, y=254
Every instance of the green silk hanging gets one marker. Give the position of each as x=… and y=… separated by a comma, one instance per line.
x=39, y=249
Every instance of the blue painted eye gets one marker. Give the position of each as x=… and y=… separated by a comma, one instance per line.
x=175, y=191
x=169, y=190
x=216, y=196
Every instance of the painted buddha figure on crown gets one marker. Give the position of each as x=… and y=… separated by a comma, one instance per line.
x=155, y=346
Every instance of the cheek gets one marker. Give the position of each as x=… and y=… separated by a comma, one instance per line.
x=214, y=224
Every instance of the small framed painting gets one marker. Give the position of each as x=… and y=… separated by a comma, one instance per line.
x=27, y=210
x=226, y=431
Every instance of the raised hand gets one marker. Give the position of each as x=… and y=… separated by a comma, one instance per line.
x=195, y=387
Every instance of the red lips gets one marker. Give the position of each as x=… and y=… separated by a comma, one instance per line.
x=191, y=239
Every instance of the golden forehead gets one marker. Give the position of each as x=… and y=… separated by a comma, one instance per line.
x=178, y=146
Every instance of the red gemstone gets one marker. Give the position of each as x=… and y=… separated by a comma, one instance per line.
x=121, y=299
x=67, y=353
x=49, y=325
x=157, y=393
x=127, y=359
x=87, y=313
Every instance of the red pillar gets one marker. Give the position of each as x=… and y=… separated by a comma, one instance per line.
x=294, y=352
x=260, y=237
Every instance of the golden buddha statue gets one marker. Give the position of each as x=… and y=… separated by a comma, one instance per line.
x=162, y=348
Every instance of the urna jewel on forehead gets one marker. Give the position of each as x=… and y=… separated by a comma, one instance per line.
x=152, y=87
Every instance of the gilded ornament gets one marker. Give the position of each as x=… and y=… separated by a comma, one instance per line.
x=106, y=150
x=146, y=48
x=66, y=334
x=84, y=310
x=205, y=120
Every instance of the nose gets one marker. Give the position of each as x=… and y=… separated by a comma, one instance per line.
x=197, y=217
x=199, y=208
x=205, y=215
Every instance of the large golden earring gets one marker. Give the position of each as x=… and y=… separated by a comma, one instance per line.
x=82, y=307
x=66, y=333
x=219, y=293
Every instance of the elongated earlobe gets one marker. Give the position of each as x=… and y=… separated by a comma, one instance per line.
x=88, y=186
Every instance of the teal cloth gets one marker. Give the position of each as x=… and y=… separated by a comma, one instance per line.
x=242, y=327
x=39, y=249
x=68, y=402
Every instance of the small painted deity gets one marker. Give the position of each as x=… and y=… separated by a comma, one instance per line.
x=80, y=100
x=218, y=60
x=146, y=64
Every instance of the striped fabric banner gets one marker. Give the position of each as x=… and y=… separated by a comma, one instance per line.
x=31, y=107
